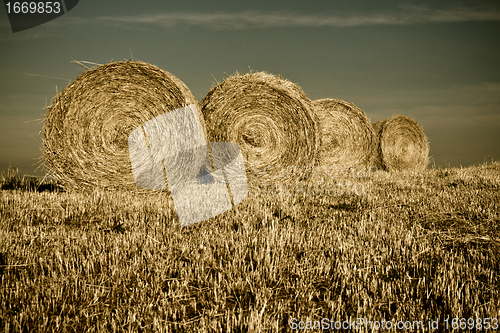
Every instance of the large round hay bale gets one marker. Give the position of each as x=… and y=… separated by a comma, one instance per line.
x=272, y=121
x=347, y=138
x=402, y=144
x=88, y=124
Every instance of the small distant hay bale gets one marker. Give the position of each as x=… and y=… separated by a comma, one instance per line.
x=347, y=138
x=86, y=129
x=402, y=144
x=272, y=121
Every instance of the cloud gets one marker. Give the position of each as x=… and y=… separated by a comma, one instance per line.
x=459, y=105
x=405, y=15
x=45, y=76
x=6, y=34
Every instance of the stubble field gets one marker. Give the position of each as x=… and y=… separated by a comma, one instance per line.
x=400, y=248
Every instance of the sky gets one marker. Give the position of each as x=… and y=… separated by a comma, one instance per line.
x=437, y=62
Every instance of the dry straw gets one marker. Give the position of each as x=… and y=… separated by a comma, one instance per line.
x=347, y=138
x=402, y=144
x=272, y=121
x=87, y=125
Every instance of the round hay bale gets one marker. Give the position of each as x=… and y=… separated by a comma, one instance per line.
x=347, y=138
x=87, y=125
x=402, y=144
x=272, y=121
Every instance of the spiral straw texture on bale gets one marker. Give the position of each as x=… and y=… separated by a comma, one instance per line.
x=402, y=144
x=347, y=138
x=87, y=125
x=272, y=121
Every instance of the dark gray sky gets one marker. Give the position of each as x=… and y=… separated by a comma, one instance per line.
x=437, y=63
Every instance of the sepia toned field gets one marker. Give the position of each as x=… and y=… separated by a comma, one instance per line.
x=405, y=247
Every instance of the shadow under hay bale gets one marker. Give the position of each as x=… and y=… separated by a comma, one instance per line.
x=347, y=138
x=87, y=125
x=271, y=120
x=402, y=144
